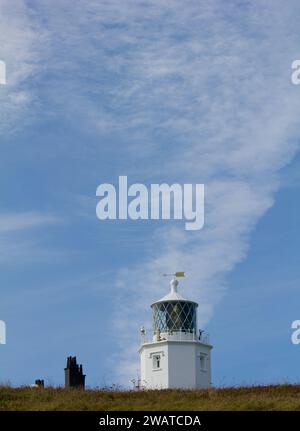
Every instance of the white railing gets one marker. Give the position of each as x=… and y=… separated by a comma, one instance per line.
x=203, y=337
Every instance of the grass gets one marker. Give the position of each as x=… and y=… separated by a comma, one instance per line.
x=275, y=397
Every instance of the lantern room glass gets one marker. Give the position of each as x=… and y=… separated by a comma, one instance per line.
x=174, y=316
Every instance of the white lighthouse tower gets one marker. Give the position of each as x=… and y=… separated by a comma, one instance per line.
x=177, y=355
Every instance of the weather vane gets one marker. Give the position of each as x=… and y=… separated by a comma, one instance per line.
x=176, y=274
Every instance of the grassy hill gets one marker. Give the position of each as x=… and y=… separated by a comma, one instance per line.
x=277, y=397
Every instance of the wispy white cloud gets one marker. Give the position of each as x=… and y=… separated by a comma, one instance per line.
x=19, y=241
x=22, y=47
x=14, y=222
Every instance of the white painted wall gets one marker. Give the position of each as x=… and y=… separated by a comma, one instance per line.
x=203, y=376
x=154, y=378
x=181, y=365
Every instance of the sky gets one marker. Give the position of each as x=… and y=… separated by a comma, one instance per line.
x=160, y=93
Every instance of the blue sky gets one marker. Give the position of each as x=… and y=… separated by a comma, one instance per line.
x=159, y=93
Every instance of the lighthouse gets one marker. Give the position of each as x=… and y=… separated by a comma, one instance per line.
x=177, y=355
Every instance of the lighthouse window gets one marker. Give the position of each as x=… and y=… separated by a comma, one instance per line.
x=203, y=362
x=156, y=361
